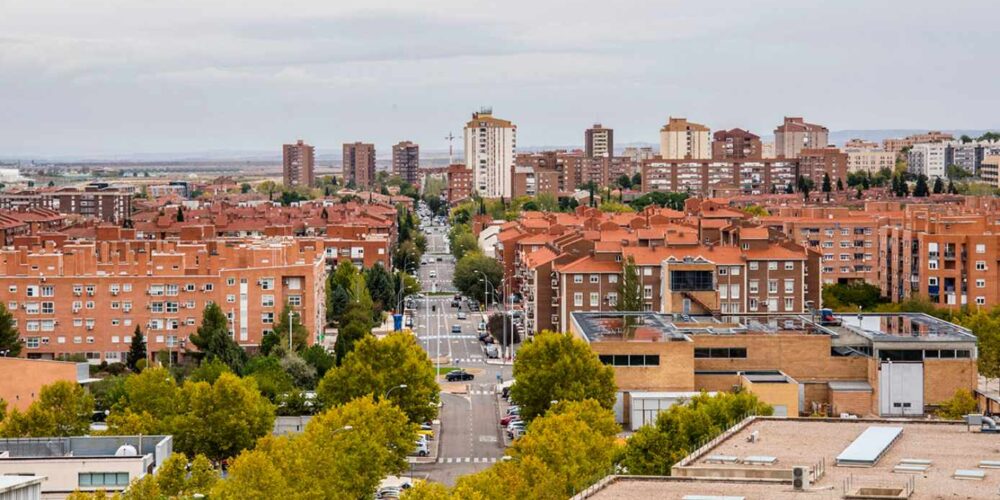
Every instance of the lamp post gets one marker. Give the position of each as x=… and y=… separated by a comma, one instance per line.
x=291, y=314
x=387, y=393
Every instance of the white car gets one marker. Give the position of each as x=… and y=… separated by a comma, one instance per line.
x=433, y=274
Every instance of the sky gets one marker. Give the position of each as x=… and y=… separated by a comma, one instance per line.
x=117, y=77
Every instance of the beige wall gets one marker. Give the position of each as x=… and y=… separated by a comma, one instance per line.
x=62, y=474
x=21, y=379
x=776, y=394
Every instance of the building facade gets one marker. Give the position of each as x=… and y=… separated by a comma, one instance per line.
x=815, y=163
x=794, y=135
x=927, y=158
x=869, y=160
x=459, y=183
x=898, y=145
x=297, y=164
x=489, y=152
x=406, y=161
x=702, y=177
x=100, y=201
x=359, y=164
x=736, y=144
x=599, y=142
x=684, y=140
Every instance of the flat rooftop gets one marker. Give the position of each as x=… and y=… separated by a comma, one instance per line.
x=83, y=446
x=948, y=446
x=904, y=327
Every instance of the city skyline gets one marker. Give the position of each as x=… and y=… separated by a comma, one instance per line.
x=77, y=85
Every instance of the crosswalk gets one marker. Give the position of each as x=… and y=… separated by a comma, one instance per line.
x=472, y=359
x=467, y=460
x=482, y=393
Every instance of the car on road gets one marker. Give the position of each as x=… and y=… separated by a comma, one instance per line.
x=458, y=376
x=456, y=303
x=507, y=419
x=433, y=273
x=462, y=315
x=422, y=449
x=482, y=326
x=456, y=328
x=514, y=427
x=492, y=352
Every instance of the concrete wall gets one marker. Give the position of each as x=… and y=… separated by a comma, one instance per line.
x=776, y=394
x=22, y=379
x=62, y=474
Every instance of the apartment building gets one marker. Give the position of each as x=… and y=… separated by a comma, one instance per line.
x=926, y=158
x=794, y=135
x=869, y=160
x=950, y=260
x=359, y=164
x=459, y=183
x=969, y=156
x=489, y=152
x=406, y=161
x=883, y=365
x=88, y=297
x=989, y=170
x=638, y=154
x=700, y=177
x=815, y=163
x=684, y=140
x=736, y=144
x=529, y=181
x=98, y=200
x=599, y=142
x=860, y=144
x=297, y=164
x=847, y=240
x=898, y=145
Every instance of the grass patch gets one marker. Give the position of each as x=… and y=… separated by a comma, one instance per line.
x=446, y=369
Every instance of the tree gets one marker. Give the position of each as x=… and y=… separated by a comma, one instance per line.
x=377, y=366
x=271, y=378
x=180, y=214
x=756, y=211
x=921, y=190
x=951, y=187
x=303, y=375
x=300, y=334
x=624, y=181
x=347, y=450
x=174, y=480
x=989, y=137
x=848, y=296
x=136, y=350
x=840, y=184
x=214, y=341
x=938, y=186
x=245, y=188
x=337, y=303
x=63, y=409
x=629, y=295
x=407, y=256
x=209, y=371
x=505, y=337
x=10, y=341
x=615, y=207
x=470, y=270
x=557, y=367
x=464, y=242
x=356, y=322
x=960, y=405
x=150, y=401
x=826, y=183
x=222, y=419
x=382, y=288
x=637, y=179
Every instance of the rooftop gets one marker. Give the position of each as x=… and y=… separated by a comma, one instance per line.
x=902, y=327
x=947, y=446
x=85, y=446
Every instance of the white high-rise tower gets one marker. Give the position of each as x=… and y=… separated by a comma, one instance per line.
x=489, y=152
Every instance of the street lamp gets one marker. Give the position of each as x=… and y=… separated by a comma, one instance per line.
x=290, y=315
x=400, y=386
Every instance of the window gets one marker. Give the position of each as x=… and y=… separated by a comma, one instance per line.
x=12, y=305
x=190, y=287
x=230, y=281
x=789, y=286
x=209, y=287
x=720, y=352
x=753, y=265
x=267, y=300
x=932, y=264
x=48, y=307
x=31, y=307
x=980, y=248
x=31, y=291
x=267, y=317
x=691, y=281
x=789, y=304
x=231, y=298
x=734, y=271
x=723, y=271
x=789, y=265
x=155, y=290
x=127, y=287
x=595, y=278
x=578, y=299
x=647, y=271
x=753, y=304
x=980, y=283
x=772, y=286
x=734, y=291
x=980, y=301
x=647, y=292
x=295, y=300
x=612, y=299
x=48, y=291
x=89, y=304
x=772, y=265
x=754, y=286
x=12, y=288
x=595, y=299
x=980, y=265
x=723, y=291
x=156, y=307
x=630, y=359
x=32, y=342
x=91, y=479
x=577, y=278
x=932, y=281
x=267, y=284
x=173, y=290
x=612, y=278
x=172, y=307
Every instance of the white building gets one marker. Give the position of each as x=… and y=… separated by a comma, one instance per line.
x=684, y=140
x=927, y=158
x=489, y=152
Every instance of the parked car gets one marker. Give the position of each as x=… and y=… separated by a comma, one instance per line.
x=422, y=449
x=458, y=375
x=514, y=426
x=389, y=492
x=492, y=352
x=507, y=419
x=433, y=273
x=489, y=339
x=482, y=326
x=482, y=336
x=513, y=409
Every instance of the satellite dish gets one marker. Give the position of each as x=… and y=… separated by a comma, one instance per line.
x=126, y=450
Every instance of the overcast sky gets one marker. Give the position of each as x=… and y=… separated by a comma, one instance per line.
x=142, y=76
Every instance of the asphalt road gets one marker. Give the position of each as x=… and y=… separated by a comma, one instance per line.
x=470, y=438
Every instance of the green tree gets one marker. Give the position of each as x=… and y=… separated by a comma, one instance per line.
x=407, y=256
x=175, y=481
x=381, y=287
x=214, y=341
x=222, y=419
x=346, y=450
x=245, y=188
x=376, y=367
x=938, y=186
x=337, y=303
x=624, y=181
x=150, y=401
x=303, y=375
x=637, y=179
x=299, y=332
x=470, y=270
x=629, y=295
x=557, y=367
x=10, y=340
x=464, y=243
x=921, y=190
x=756, y=211
x=209, y=371
x=271, y=378
x=827, y=187
x=63, y=408
x=318, y=357
x=136, y=350
x=848, y=296
x=180, y=214
x=960, y=405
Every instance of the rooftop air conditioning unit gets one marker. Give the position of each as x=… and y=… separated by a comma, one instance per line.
x=800, y=478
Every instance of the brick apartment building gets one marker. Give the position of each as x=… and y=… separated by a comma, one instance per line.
x=298, y=163
x=897, y=145
x=561, y=172
x=736, y=144
x=699, y=178
x=814, y=163
x=98, y=200
x=88, y=297
x=359, y=164
x=459, y=183
x=794, y=135
x=406, y=161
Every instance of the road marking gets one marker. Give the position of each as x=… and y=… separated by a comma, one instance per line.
x=466, y=459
